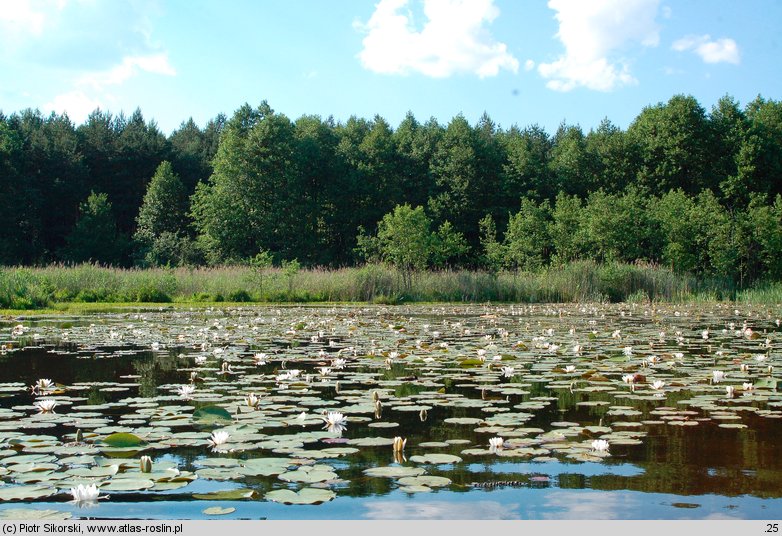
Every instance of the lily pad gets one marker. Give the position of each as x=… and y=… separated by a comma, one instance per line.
x=218, y=511
x=304, y=496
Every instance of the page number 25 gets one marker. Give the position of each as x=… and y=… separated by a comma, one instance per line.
x=772, y=527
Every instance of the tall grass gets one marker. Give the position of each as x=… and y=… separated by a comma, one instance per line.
x=31, y=288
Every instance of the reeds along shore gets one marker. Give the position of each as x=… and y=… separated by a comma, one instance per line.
x=40, y=287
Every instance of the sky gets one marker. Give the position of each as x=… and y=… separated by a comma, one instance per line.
x=522, y=62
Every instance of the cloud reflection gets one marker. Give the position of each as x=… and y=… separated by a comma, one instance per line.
x=580, y=505
x=441, y=510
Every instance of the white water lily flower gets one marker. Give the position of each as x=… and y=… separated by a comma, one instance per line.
x=577, y=349
x=338, y=363
x=729, y=389
x=617, y=334
x=658, y=384
x=218, y=438
x=705, y=334
x=324, y=371
x=399, y=444
x=252, y=400
x=628, y=350
x=85, y=494
x=496, y=443
x=717, y=376
x=747, y=386
x=200, y=359
x=628, y=378
x=335, y=422
x=260, y=359
x=508, y=371
x=186, y=391
x=302, y=416
x=45, y=406
x=570, y=368
x=145, y=464
x=43, y=384
x=600, y=445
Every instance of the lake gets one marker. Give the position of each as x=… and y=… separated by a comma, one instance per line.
x=600, y=411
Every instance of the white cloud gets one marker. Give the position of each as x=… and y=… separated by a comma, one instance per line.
x=127, y=69
x=717, y=51
x=26, y=16
x=75, y=103
x=453, y=40
x=529, y=65
x=594, y=33
x=90, y=90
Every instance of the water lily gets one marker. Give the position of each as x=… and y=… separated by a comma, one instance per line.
x=747, y=386
x=84, y=495
x=260, y=359
x=219, y=438
x=570, y=368
x=399, y=444
x=200, y=359
x=717, y=376
x=600, y=445
x=186, y=391
x=496, y=443
x=729, y=389
x=705, y=334
x=324, y=371
x=628, y=378
x=577, y=349
x=252, y=400
x=335, y=422
x=338, y=363
x=507, y=371
x=43, y=384
x=46, y=405
x=658, y=384
x=145, y=464
x=628, y=350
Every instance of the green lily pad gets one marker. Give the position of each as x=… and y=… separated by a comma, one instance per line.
x=304, y=496
x=309, y=474
x=436, y=458
x=212, y=415
x=123, y=440
x=392, y=471
x=227, y=495
x=25, y=493
x=217, y=511
x=127, y=484
x=430, y=481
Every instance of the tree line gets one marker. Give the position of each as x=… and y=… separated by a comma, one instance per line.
x=694, y=190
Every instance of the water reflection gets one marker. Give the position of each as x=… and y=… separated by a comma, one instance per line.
x=428, y=509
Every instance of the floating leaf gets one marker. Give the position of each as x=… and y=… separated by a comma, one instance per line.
x=122, y=440
x=304, y=496
x=227, y=495
x=217, y=511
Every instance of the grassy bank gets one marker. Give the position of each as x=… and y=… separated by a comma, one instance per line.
x=35, y=288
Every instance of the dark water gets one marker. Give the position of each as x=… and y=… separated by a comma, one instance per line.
x=676, y=472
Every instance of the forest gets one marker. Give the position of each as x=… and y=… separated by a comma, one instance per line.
x=688, y=189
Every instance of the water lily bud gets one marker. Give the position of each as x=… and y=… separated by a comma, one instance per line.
x=423, y=415
x=79, y=435
x=399, y=444
x=146, y=464
x=375, y=396
x=336, y=387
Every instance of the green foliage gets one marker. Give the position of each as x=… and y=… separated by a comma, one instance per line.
x=447, y=245
x=95, y=237
x=493, y=256
x=527, y=240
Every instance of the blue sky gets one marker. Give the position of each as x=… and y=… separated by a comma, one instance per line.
x=522, y=62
